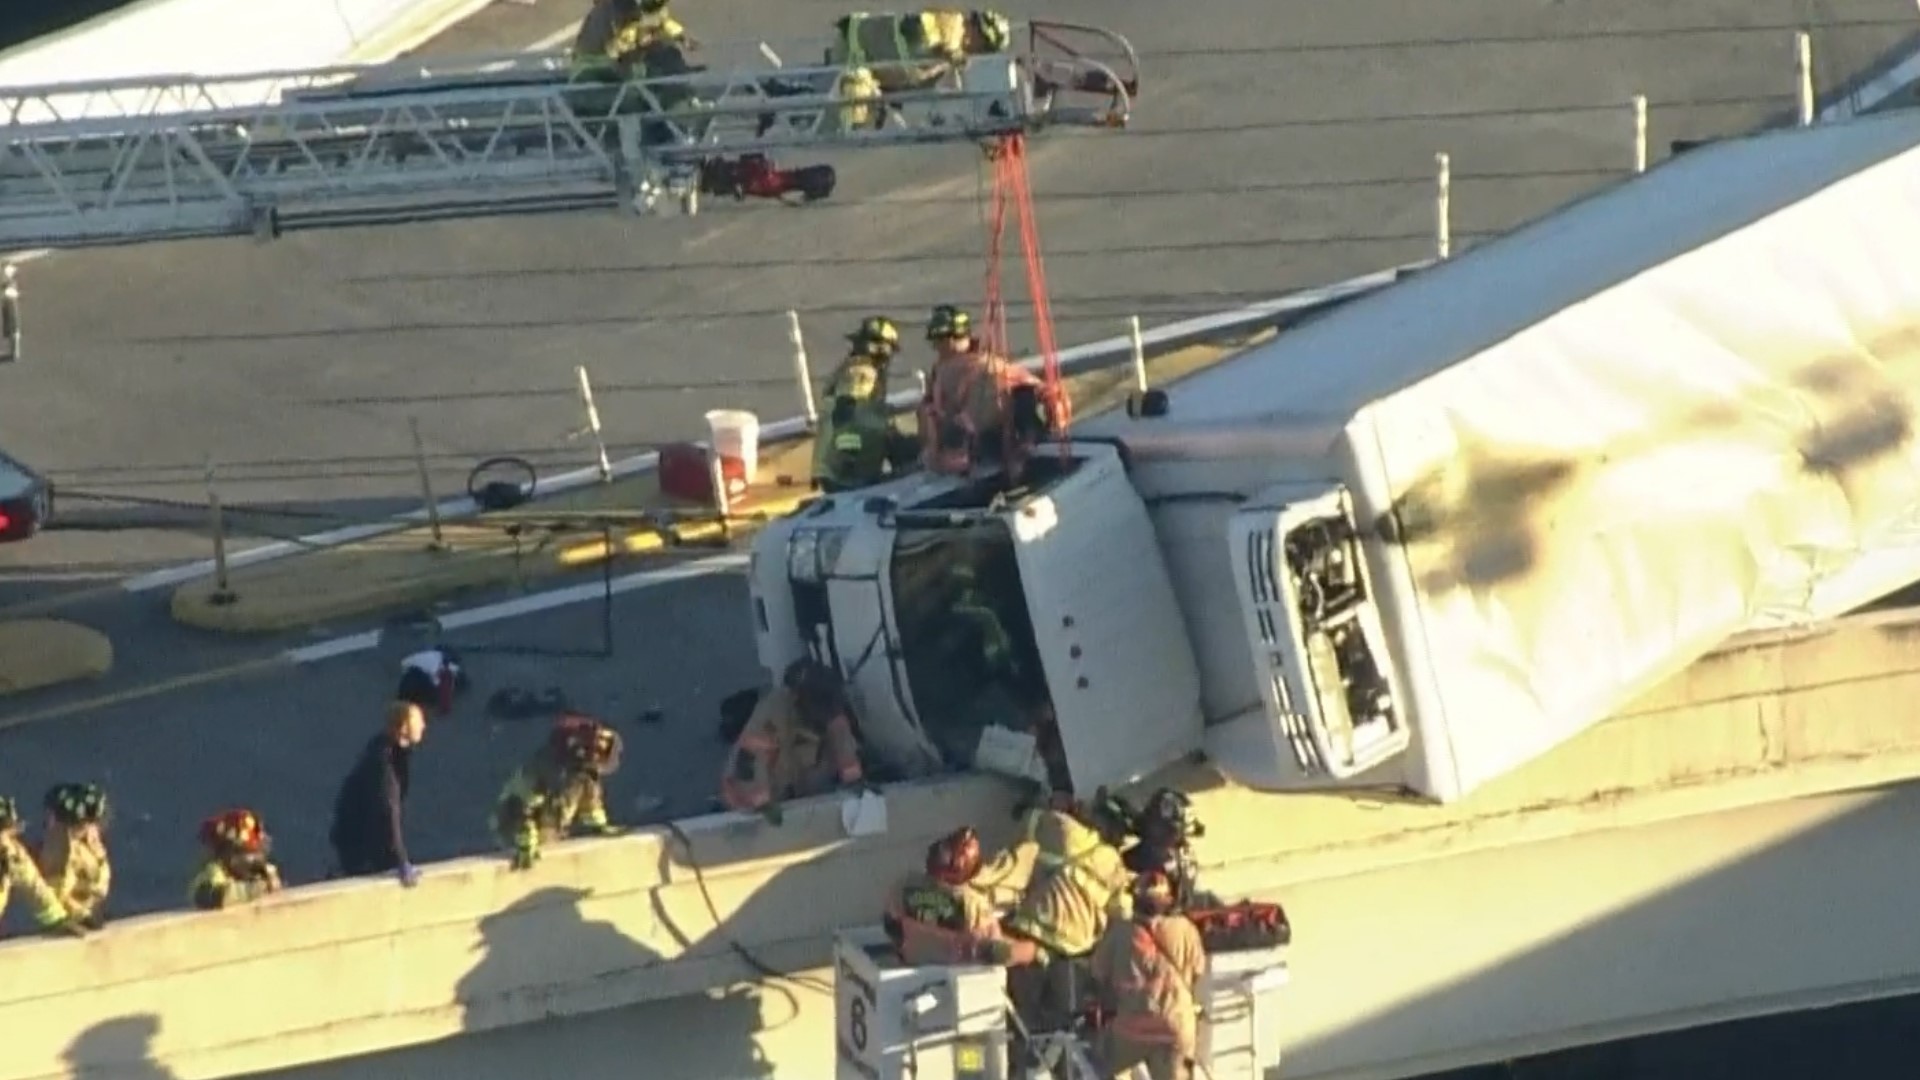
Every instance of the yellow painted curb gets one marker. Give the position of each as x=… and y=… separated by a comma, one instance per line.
x=38, y=653
x=405, y=572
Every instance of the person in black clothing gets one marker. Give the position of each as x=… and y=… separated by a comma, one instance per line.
x=369, y=833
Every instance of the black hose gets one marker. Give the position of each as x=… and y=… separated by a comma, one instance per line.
x=745, y=954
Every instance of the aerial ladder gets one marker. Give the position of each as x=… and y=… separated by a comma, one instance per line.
x=166, y=158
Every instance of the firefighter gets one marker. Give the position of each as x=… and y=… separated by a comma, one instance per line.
x=236, y=869
x=369, y=811
x=18, y=869
x=560, y=791
x=1078, y=881
x=798, y=742
x=859, y=441
x=965, y=415
x=1147, y=971
x=937, y=916
x=616, y=35
x=1167, y=829
x=916, y=50
x=970, y=605
x=73, y=854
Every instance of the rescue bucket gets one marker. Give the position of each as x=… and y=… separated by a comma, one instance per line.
x=734, y=435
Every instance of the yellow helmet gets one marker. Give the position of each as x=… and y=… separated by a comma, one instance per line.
x=877, y=335
x=995, y=30
x=948, y=322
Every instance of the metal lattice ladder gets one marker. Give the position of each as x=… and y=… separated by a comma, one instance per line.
x=170, y=158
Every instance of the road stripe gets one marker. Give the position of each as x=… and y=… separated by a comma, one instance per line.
x=788, y=428
x=532, y=604
x=146, y=690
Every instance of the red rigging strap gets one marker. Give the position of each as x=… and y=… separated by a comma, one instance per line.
x=1011, y=183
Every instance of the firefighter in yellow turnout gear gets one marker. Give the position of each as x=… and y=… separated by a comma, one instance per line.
x=559, y=792
x=73, y=855
x=1078, y=883
x=616, y=35
x=18, y=870
x=880, y=53
x=915, y=50
x=236, y=869
x=858, y=441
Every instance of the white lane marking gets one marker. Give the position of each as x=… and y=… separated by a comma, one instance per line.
x=529, y=605
x=781, y=429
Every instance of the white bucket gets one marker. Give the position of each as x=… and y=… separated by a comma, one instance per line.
x=735, y=433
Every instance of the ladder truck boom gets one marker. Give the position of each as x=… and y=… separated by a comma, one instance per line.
x=175, y=157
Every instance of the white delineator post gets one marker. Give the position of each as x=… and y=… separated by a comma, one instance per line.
x=426, y=483
x=801, y=370
x=9, y=313
x=217, y=525
x=593, y=425
x=1803, y=75
x=1139, y=354
x=1443, y=206
x=1639, y=133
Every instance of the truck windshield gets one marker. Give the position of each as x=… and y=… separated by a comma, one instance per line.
x=964, y=631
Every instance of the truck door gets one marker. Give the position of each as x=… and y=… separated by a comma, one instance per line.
x=1111, y=639
x=1315, y=630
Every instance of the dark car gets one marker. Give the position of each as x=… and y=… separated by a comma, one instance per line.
x=26, y=500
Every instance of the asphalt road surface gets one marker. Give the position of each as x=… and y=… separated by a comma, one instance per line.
x=1274, y=148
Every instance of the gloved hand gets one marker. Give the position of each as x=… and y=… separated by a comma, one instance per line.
x=68, y=927
x=96, y=920
x=408, y=874
x=992, y=951
x=524, y=858
x=604, y=829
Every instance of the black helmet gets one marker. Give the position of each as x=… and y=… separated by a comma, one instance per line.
x=1168, y=817
x=949, y=322
x=76, y=804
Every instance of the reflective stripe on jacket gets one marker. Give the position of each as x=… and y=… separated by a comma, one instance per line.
x=1078, y=882
x=216, y=886
x=18, y=869
x=940, y=923
x=902, y=51
x=546, y=800
x=605, y=39
x=77, y=869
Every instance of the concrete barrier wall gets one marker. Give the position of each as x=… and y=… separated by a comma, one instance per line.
x=350, y=968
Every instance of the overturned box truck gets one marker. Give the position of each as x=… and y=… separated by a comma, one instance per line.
x=1429, y=535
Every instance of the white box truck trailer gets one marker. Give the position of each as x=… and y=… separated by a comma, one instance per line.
x=1432, y=534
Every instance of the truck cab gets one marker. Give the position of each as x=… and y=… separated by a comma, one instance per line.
x=1031, y=631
